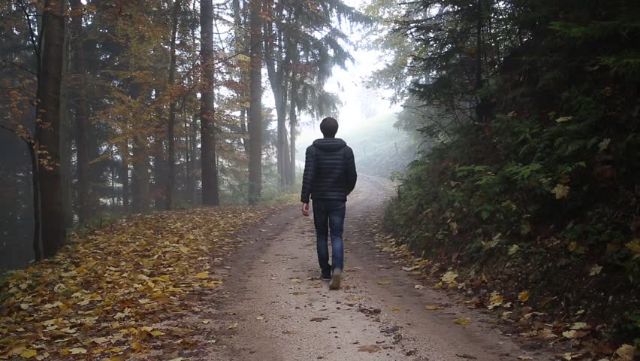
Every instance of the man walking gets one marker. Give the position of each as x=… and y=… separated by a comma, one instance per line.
x=329, y=177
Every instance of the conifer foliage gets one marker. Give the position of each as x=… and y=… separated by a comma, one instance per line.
x=531, y=110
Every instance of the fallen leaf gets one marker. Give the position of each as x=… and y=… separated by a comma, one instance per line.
x=580, y=326
x=462, y=321
x=28, y=353
x=411, y=269
x=433, y=307
x=595, y=270
x=547, y=333
x=77, y=351
x=449, y=278
x=561, y=191
x=626, y=352
x=495, y=300
x=563, y=119
x=523, y=296
x=571, y=356
x=634, y=247
x=202, y=275
x=513, y=249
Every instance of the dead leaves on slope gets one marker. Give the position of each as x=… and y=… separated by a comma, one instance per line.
x=513, y=308
x=110, y=293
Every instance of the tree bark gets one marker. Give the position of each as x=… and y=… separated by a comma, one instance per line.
x=124, y=173
x=85, y=208
x=192, y=133
x=37, y=213
x=255, y=101
x=210, y=196
x=278, y=62
x=48, y=125
x=171, y=156
x=241, y=48
x=293, y=122
x=140, y=196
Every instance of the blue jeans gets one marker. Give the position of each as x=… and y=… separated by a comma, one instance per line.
x=328, y=218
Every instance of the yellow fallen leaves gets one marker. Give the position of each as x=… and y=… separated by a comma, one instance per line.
x=523, y=296
x=28, y=353
x=561, y=191
x=449, y=278
x=105, y=295
x=625, y=353
x=495, y=300
x=577, y=330
x=634, y=247
x=202, y=275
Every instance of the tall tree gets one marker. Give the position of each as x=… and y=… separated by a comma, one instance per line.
x=210, y=194
x=48, y=125
x=301, y=29
x=171, y=156
x=255, y=107
x=85, y=201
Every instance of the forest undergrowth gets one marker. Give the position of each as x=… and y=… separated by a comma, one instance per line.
x=531, y=207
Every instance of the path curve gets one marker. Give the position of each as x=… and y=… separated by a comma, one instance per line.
x=273, y=306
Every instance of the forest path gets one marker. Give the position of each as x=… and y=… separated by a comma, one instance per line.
x=273, y=306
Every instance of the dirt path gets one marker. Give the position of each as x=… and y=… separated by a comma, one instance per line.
x=273, y=306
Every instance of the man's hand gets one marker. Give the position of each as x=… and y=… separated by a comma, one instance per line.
x=305, y=209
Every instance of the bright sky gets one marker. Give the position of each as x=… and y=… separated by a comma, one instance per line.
x=350, y=87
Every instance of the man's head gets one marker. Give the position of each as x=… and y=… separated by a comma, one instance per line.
x=329, y=127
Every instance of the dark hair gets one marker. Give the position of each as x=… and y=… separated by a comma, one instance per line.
x=329, y=127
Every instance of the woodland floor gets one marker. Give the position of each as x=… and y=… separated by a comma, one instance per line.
x=242, y=284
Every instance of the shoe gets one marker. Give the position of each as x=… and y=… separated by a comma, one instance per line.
x=335, y=280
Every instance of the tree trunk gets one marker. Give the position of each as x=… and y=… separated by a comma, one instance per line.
x=35, y=183
x=255, y=101
x=192, y=134
x=293, y=122
x=140, y=196
x=159, y=167
x=171, y=156
x=124, y=174
x=241, y=48
x=85, y=208
x=48, y=125
x=210, y=195
x=479, y=25
x=277, y=60
x=279, y=88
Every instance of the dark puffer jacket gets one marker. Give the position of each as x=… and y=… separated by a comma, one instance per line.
x=329, y=170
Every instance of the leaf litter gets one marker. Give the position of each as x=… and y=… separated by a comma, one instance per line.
x=109, y=293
